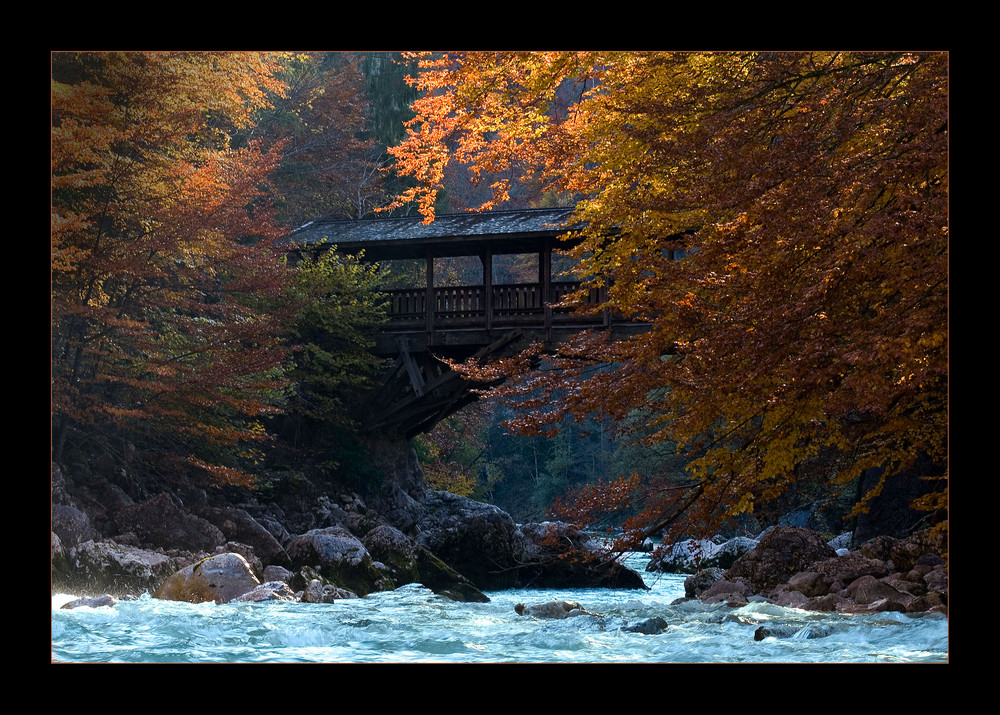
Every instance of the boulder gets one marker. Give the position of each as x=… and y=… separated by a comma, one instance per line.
x=905, y=553
x=318, y=592
x=868, y=590
x=107, y=600
x=558, y=555
x=159, y=523
x=731, y=591
x=726, y=553
x=781, y=553
x=697, y=583
x=71, y=525
x=844, y=569
x=809, y=584
x=237, y=525
x=332, y=546
x=445, y=581
x=880, y=547
x=693, y=555
x=247, y=552
x=112, y=567
x=406, y=562
x=931, y=601
x=269, y=591
x=937, y=580
x=219, y=578
x=649, y=627
x=553, y=609
x=826, y=602
x=788, y=598
x=395, y=551
x=339, y=556
x=273, y=572
x=478, y=540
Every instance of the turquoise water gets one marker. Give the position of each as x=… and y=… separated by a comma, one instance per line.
x=413, y=625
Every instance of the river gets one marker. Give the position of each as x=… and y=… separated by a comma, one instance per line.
x=413, y=625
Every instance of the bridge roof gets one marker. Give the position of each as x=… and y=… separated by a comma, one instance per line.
x=463, y=234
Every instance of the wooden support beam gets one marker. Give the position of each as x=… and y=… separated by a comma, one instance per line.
x=431, y=302
x=408, y=410
x=412, y=369
x=545, y=278
x=487, y=258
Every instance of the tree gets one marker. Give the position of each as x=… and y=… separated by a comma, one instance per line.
x=339, y=311
x=807, y=193
x=166, y=332
x=330, y=166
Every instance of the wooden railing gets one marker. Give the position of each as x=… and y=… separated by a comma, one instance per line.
x=471, y=306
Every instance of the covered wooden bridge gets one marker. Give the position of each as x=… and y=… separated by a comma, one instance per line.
x=485, y=319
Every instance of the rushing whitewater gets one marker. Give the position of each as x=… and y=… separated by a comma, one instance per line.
x=413, y=625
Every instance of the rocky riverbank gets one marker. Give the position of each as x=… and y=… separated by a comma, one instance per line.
x=794, y=567
x=313, y=543
x=318, y=543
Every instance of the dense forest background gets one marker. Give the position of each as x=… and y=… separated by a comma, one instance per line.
x=185, y=349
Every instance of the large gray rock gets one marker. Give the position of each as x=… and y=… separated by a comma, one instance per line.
x=406, y=562
x=693, y=555
x=734, y=591
x=268, y=591
x=333, y=546
x=445, y=581
x=478, y=540
x=219, y=578
x=809, y=584
x=339, y=557
x=105, y=566
x=395, y=550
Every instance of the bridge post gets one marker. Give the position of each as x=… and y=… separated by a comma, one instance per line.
x=487, y=259
x=431, y=303
x=545, y=279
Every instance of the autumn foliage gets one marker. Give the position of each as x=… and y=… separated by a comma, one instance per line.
x=165, y=333
x=329, y=165
x=806, y=195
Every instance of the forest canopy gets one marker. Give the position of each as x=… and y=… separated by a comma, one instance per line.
x=808, y=193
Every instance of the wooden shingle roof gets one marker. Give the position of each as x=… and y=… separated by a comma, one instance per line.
x=463, y=234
